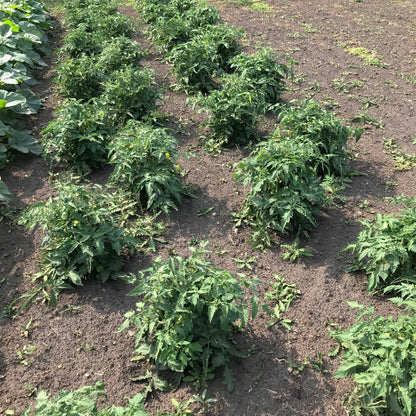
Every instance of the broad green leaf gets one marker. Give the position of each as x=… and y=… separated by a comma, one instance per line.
x=24, y=142
x=5, y=195
x=10, y=99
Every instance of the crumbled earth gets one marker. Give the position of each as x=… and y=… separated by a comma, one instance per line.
x=316, y=34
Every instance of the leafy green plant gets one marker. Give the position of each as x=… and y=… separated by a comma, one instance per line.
x=379, y=355
x=194, y=64
x=283, y=294
x=23, y=27
x=311, y=121
x=285, y=192
x=87, y=235
x=5, y=195
x=101, y=18
x=151, y=10
x=293, y=251
x=263, y=72
x=187, y=315
x=79, y=78
x=25, y=355
x=246, y=262
x=175, y=26
x=119, y=52
x=80, y=41
x=385, y=248
x=145, y=163
x=78, y=137
x=204, y=56
x=232, y=114
x=83, y=402
x=129, y=93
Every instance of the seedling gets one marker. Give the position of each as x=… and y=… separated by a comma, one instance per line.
x=293, y=251
x=314, y=363
x=246, y=262
x=283, y=294
x=30, y=389
x=204, y=211
x=26, y=329
x=25, y=355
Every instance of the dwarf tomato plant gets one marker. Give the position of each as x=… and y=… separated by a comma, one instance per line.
x=186, y=316
x=87, y=234
x=385, y=248
x=78, y=137
x=285, y=193
x=310, y=120
x=379, y=354
x=145, y=163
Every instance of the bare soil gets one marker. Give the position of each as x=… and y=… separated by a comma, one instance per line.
x=315, y=33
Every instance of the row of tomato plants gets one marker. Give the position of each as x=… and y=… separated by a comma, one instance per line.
x=23, y=26
x=106, y=115
x=291, y=176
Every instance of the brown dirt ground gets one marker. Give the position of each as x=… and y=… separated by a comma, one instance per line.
x=314, y=33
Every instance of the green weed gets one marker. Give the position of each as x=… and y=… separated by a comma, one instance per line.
x=293, y=251
x=283, y=294
x=370, y=57
x=25, y=355
x=401, y=159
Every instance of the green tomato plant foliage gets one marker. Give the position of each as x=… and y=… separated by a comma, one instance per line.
x=145, y=163
x=100, y=17
x=174, y=26
x=263, y=72
x=232, y=113
x=285, y=192
x=379, y=354
x=79, y=78
x=78, y=137
x=385, y=248
x=311, y=121
x=151, y=10
x=83, y=402
x=81, y=42
x=88, y=234
x=129, y=93
x=118, y=52
x=206, y=55
x=187, y=313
